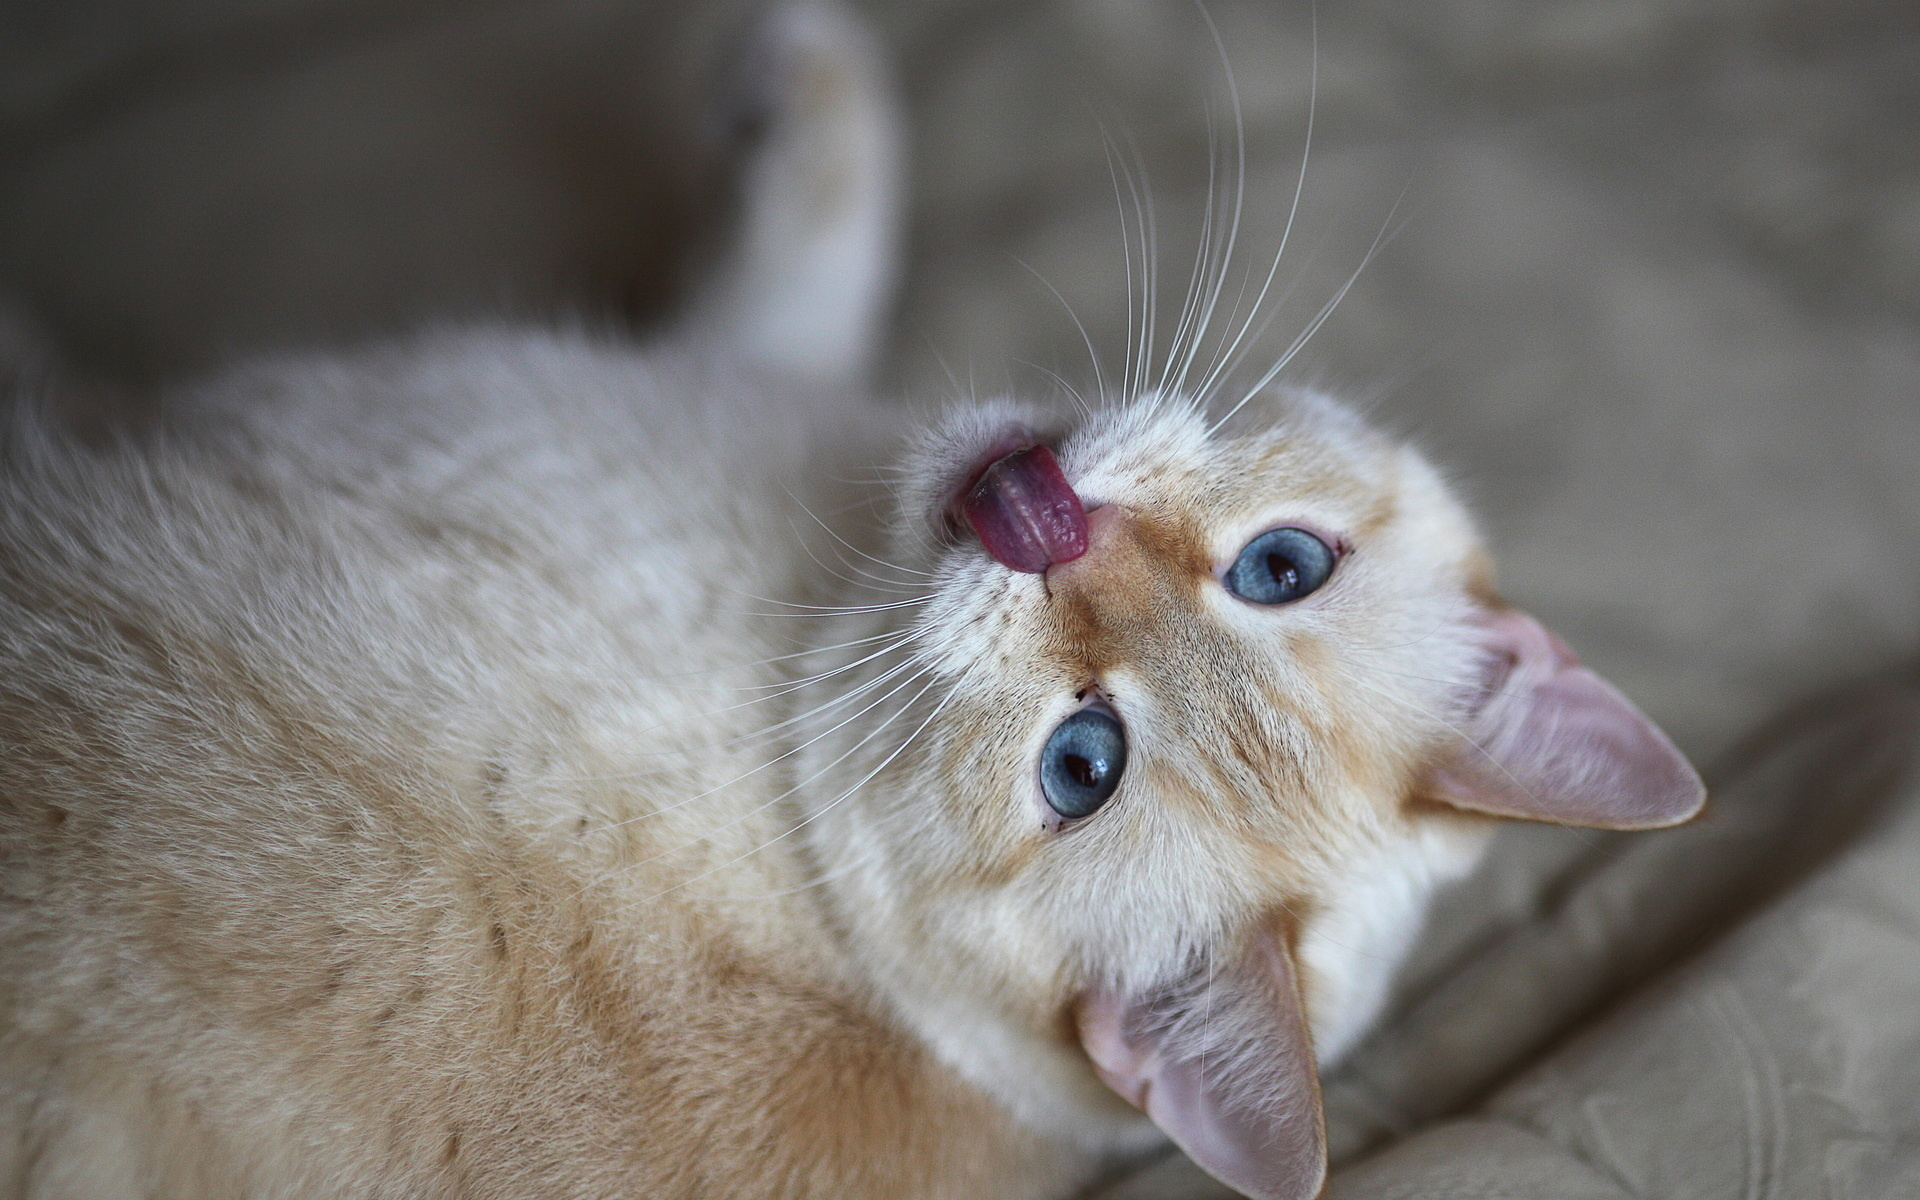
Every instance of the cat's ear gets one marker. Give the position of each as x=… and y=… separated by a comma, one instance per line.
x=1548, y=740
x=1222, y=1063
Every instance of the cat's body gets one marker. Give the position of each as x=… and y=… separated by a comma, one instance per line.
x=351, y=742
x=425, y=775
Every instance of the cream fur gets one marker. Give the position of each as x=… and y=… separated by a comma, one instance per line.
x=423, y=774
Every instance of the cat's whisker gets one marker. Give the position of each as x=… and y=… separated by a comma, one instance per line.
x=1141, y=235
x=829, y=705
x=1126, y=257
x=1247, y=336
x=753, y=811
x=1190, y=329
x=775, y=692
x=743, y=664
x=831, y=610
x=809, y=652
x=867, y=579
x=787, y=686
x=852, y=506
x=1299, y=190
x=1217, y=267
x=840, y=538
x=1380, y=239
x=831, y=804
x=881, y=476
x=789, y=792
x=1150, y=254
x=1079, y=400
x=792, y=687
x=1093, y=356
x=895, y=640
x=785, y=754
x=952, y=690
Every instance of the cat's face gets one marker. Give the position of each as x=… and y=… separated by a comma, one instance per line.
x=1266, y=745
x=1200, y=764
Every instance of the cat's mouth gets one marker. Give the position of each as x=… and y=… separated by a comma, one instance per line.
x=1018, y=502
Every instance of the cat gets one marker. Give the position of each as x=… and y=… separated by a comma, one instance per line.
x=514, y=762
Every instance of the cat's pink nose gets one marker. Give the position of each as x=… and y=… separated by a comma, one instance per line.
x=1025, y=513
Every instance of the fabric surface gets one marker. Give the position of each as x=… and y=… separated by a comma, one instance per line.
x=1783, y=1061
x=1644, y=277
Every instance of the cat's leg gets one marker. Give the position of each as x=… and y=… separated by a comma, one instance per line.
x=803, y=286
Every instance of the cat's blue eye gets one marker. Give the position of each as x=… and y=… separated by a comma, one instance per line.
x=1082, y=763
x=1280, y=566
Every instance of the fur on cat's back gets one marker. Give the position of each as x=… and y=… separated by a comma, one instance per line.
x=351, y=719
x=371, y=820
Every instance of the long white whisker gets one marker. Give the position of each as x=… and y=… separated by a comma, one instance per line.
x=1293, y=208
x=1149, y=231
x=1086, y=339
x=1115, y=171
x=670, y=679
x=1221, y=268
x=1246, y=337
x=1139, y=360
x=766, y=730
x=835, y=535
x=867, y=579
x=823, y=809
x=1380, y=239
x=830, y=610
x=1079, y=400
x=783, y=755
x=825, y=706
x=1190, y=330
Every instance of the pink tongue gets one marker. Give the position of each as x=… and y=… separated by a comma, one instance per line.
x=1026, y=513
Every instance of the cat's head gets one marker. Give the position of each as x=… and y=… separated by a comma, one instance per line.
x=1189, y=723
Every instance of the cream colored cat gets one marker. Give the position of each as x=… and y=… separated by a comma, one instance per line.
x=469, y=769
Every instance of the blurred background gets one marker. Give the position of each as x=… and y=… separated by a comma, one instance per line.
x=1649, y=285
x=1651, y=290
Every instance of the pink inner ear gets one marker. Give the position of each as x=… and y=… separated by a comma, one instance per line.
x=1223, y=1064
x=1552, y=741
